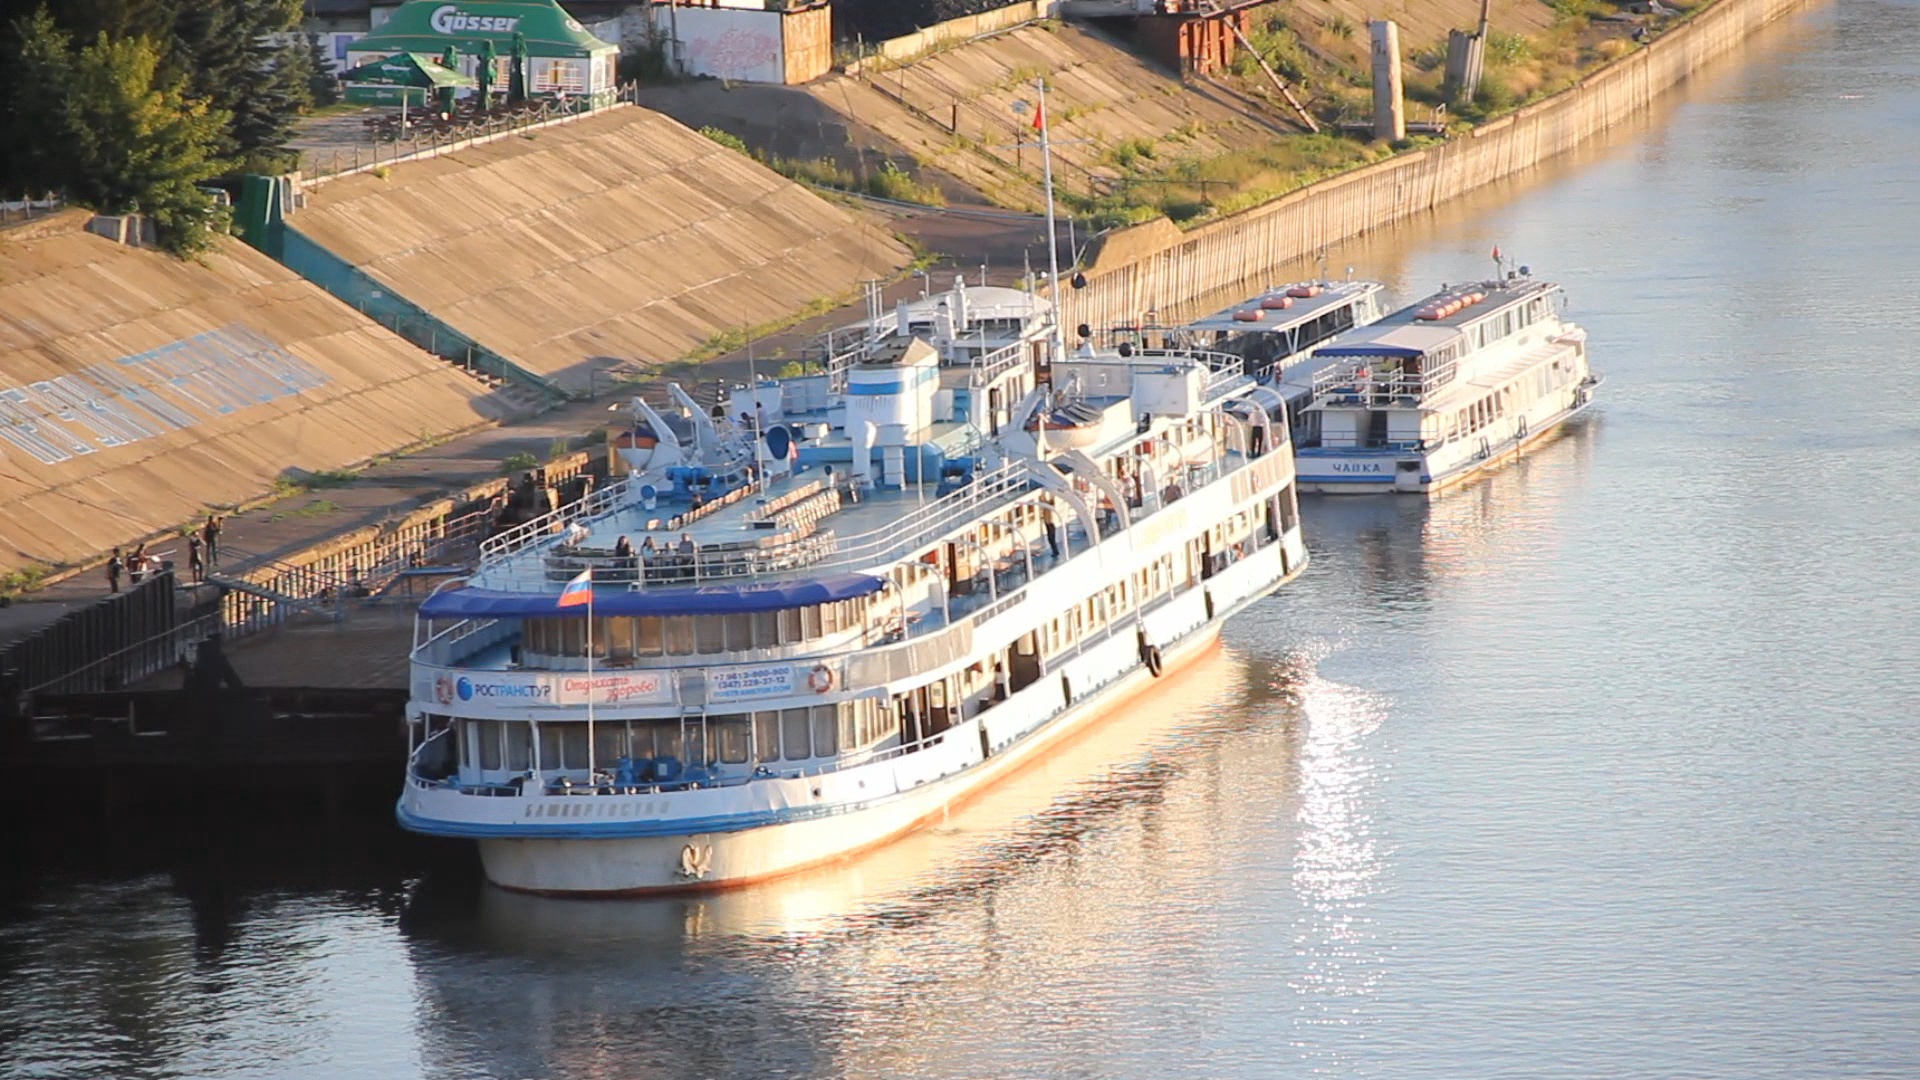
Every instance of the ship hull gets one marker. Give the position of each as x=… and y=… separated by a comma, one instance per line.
x=705, y=861
x=1364, y=473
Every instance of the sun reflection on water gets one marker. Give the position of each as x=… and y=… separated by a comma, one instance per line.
x=1339, y=864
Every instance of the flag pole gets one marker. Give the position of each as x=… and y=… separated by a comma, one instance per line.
x=1053, y=245
x=591, y=763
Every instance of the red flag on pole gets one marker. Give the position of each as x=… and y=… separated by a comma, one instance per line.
x=1039, y=120
x=1496, y=251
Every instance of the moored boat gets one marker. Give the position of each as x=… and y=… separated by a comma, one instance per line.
x=1446, y=388
x=827, y=614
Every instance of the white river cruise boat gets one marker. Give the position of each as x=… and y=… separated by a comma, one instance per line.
x=859, y=596
x=1438, y=392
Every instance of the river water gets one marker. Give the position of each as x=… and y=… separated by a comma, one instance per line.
x=1604, y=767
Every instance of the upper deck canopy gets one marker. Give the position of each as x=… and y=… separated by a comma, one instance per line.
x=1301, y=309
x=695, y=600
x=1392, y=339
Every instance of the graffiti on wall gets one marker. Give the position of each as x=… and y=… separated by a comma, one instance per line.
x=732, y=44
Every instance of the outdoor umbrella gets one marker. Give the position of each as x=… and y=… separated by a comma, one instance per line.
x=487, y=56
x=517, y=86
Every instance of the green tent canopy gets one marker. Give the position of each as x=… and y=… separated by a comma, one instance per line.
x=410, y=76
x=564, y=57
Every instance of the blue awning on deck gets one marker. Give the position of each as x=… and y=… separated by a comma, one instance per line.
x=663, y=600
x=1367, y=350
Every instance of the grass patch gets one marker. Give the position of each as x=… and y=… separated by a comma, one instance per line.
x=518, y=462
x=1577, y=11
x=330, y=478
x=736, y=338
x=727, y=139
x=23, y=580
x=1279, y=46
x=1131, y=152
x=1192, y=190
x=890, y=181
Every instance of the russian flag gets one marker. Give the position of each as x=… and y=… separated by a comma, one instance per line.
x=579, y=590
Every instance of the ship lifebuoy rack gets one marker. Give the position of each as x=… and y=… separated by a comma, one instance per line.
x=820, y=679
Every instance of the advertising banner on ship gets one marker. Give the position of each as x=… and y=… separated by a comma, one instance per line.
x=612, y=688
x=547, y=689
x=748, y=683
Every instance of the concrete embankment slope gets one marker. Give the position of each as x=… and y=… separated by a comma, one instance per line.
x=964, y=110
x=617, y=240
x=1155, y=267
x=137, y=390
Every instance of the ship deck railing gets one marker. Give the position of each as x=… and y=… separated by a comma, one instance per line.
x=597, y=503
x=819, y=553
x=1348, y=443
x=604, y=784
x=1367, y=382
x=926, y=637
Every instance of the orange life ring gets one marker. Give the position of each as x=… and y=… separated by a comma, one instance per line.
x=820, y=679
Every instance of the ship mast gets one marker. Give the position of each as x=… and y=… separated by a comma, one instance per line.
x=1053, y=241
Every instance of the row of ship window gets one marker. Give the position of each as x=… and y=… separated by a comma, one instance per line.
x=621, y=637
x=767, y=736
x=1509, y=322
x=1524, y=392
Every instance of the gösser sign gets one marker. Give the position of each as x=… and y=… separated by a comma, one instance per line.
x=449, y=19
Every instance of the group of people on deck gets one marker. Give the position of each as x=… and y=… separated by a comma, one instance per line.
x=634, y=562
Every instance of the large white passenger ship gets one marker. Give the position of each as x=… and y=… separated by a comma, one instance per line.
x=856, y=597
x=1438, y=392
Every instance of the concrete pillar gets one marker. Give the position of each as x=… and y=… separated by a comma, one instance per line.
x=1466, y=61
x=1389, y=112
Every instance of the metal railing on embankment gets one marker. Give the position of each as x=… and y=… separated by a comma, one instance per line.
x=16, y=211
x=428, y=137
x=110, y=643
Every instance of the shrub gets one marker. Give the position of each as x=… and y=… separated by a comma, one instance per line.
x=890, y=181
x=726, y=138
x=1131, y=152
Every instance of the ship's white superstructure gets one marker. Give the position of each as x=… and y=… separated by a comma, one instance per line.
x=1440, y=391
x=850, y=600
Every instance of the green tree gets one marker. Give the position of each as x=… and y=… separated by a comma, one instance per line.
x=323, y=87
x=138, y=146
x=236, y=55
x=33, y=111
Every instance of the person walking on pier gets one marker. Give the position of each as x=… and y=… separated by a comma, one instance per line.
x=114, y=565
x=195, y=562
x=210, y=534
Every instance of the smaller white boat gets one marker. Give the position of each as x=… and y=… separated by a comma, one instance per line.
x=1445, y=389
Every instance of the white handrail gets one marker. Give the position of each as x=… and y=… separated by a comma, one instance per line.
x=597, y=502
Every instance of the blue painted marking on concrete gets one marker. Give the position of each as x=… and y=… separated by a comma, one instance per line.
x=179, y=385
